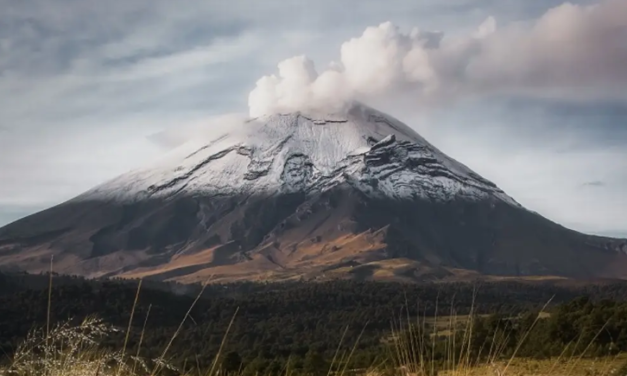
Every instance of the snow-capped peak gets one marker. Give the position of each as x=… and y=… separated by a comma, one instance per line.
x=308, y=152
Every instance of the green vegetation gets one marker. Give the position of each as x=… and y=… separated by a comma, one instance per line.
x=305, y=328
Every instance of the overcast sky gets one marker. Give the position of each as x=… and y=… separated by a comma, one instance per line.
x=531, y=94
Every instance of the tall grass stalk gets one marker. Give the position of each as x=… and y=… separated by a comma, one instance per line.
x=337, y=351
x=130, y=320
x=141, y=340
x=161, y=359
x=228, y=329
x=48, y=309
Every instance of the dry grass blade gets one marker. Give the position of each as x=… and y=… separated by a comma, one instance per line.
x=161, y=359
x=353, y=350
x=337, y=351
x=141, y=339
x=49, y=298
x=574, y=364
x=130, y=320
x=520, y=343
x=228, y=329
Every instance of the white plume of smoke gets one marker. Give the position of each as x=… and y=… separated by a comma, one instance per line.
x=382, y=58
x=571, y=51
x=200, y=131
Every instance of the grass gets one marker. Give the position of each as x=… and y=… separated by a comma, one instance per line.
x=66, y=350
x=75, y=351
x=552, y=367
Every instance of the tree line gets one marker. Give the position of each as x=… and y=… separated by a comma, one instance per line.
x=302, y=325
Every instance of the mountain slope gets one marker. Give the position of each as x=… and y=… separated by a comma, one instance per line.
x=305, y=153
x=357, y=195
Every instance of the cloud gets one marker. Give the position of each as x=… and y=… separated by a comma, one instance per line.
x=595, y=183
x=220, y=51
x=381, y=60
x=201, y=131
x=571, y=52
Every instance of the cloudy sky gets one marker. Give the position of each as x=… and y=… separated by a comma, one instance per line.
x=530, y=94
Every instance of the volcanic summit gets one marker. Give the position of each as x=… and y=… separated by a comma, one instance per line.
x=356, y=194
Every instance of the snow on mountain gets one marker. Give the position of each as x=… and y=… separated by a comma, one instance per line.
x=371, y=195
x=306, y=152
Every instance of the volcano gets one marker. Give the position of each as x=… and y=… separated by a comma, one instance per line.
x=356, y=194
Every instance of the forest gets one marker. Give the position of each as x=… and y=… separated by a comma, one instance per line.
x=264, y=326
